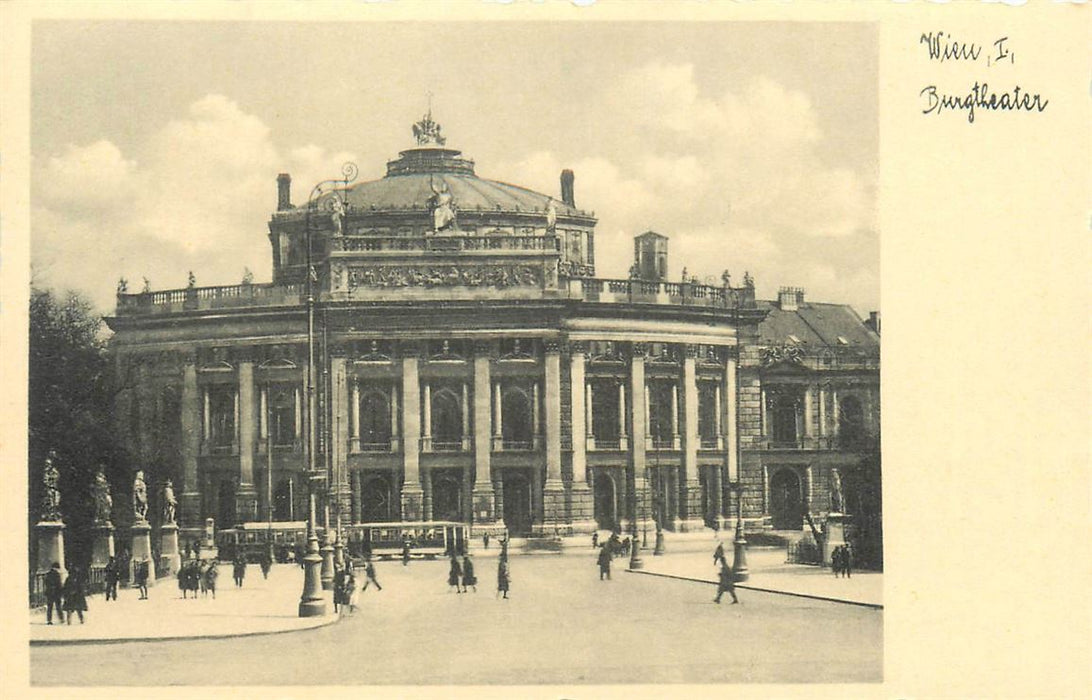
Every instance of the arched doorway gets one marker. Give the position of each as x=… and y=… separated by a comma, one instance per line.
x=447, y=420
x=447, y=496
x=785, y=506
x=377, y=499
x=606, y=501
x=517, y=502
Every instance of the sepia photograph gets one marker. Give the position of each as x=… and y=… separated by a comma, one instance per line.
x=473, y=339
x=535, y=351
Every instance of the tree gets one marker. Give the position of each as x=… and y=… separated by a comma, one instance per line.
x=70, y=409
x=863, y=484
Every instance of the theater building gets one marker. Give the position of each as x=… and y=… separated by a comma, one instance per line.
x=471, y=366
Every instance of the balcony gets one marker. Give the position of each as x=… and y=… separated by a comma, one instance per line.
x=661, y=293
x=202, y=298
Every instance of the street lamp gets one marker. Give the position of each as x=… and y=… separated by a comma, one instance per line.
x=312, y=603
x=739, y=548
x=635, y=561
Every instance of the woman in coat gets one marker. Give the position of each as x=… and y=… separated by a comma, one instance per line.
x=454, y=575
x=504, y=577
x=469, y=579
x=75, y=596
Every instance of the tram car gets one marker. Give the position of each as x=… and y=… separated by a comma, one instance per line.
x=288, y=541
x=426, y=540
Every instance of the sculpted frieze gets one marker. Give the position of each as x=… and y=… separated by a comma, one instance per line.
x=499, y=276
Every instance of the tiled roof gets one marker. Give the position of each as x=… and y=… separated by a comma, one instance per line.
x=412, y=191
x=816, y=325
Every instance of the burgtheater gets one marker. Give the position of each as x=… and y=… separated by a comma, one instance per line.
x=470, y=366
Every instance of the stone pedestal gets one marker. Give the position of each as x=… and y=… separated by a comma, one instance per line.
x=483, y=498
x=169, y=558
x=50, y=544
x=208, y=549
x=142, y=550
x=102, y=545
x=412, y=504
x=582, y=510
x=835, y=534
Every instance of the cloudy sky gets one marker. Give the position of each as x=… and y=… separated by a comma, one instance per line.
x=156, y=145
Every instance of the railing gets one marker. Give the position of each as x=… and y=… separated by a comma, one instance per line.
x=710, y=442
x=608, y=443
x=209, y=298
x=352, y=244
x=651, y=292
x=37, y=589
x=803, y=551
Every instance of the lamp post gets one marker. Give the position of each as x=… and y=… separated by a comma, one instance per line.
x=327, y=550
x=739, y=548
x=312, y=603
x=635, y=561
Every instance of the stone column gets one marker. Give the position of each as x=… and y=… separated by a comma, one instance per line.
x=340, y=431
x=393, y=404
x=623, y=440
x=263, y=416
x=482, y=494
x=246, y=496
x=357, y=497
x=190, y=500
x=639, y=421
x=694, y=519
x=718, y=432
x=465, y=406
x=731, y=425
x=582, y=505
x=822, y=414
x=536, y=422
x=412, y=493
x=426, y=430
x=589, y=434
x=675, y=413
x=498, y=418
x=834, y=429
x=354, y=409
x=808, y=413
x=554, y=489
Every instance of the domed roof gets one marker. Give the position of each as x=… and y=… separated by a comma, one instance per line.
x=418, y=173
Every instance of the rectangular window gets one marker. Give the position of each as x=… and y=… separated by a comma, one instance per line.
x=222, y=416
x=282, y=414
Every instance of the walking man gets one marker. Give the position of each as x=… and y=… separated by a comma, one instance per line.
x=718, y=555
x=604, y=562
x=369, y=575
x=454, y=575
x=727, y=584
x=504, y=577
x=110, y=575
x=53, y=593
x=469, y=579
x=405, y=552
x=141, y=575
x=75, y=595
x=239, y=569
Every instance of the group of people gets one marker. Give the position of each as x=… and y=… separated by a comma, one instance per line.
x=65, y=595
x=345, y=593
x=198, y=574
x=614, y=545
x=841, y=561
x=461, y=575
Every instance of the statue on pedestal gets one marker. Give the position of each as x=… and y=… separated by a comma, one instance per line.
x=140, y=497
x=551, y=215
x=442, y=204
x=836, y=502
x=51, y=494
x=169, y=503
x=104, y=503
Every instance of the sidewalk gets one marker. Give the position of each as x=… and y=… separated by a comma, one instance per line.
x=261, y=606
x=769, y=572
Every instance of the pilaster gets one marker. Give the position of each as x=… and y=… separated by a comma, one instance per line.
x=482, y=491
x=412, y=493
x=190, y=500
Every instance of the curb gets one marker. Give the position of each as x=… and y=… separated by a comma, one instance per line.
x=843, y=601
x=177, y=638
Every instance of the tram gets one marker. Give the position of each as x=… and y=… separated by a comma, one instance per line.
x=288, y=539
x=427, y=539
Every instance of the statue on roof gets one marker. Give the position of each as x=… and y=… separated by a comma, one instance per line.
x=442, y=204
x=551, y=215
x=427, y=132
x=123, y=285
x=337, y=213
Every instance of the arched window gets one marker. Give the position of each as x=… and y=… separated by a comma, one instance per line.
x=447, y=419
x=784, y=418
x=851, y=428
x=661, y=409
x=517, y=414
x=282, y=415
x=604, y=410
x=222, y=416
x=707, y=414
x=282, y=501
x=375, y=420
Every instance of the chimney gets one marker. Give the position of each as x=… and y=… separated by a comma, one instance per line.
x=790, y=298
x=284, y=192
x=567, y=188
x=873, y=321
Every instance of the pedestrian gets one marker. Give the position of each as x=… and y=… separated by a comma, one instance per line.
x=140, y=578
x=341, y=597
x=405, y=553
x=53, y=589
x=212, y=572
x=454, y=574
x=369, y=575
x=266, y=563
x=847, y=561
x=604, y=563
x=469, y=579
x=718, y=555
x=75, y=595
x=595, y=539
x=504, y=577
x=350, y=590
x=485, y=541
x=615, y=544
x=727, y=584
x=238, y=569
x=110, y=577
x=836, y=561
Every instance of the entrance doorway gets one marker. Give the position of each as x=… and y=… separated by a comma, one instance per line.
x=606, y=501
x=517, y=502
x=785, y=505
x=377, y=499
x=447, y=496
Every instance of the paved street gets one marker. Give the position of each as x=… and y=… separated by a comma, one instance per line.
x=560, y=626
